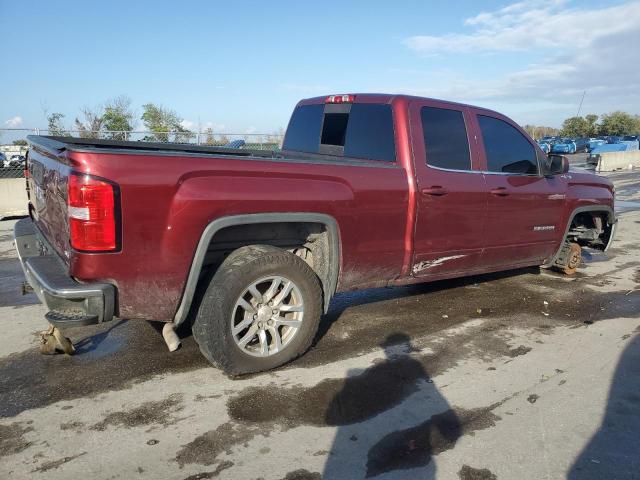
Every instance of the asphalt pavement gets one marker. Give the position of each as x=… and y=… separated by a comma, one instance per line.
x=526, y=374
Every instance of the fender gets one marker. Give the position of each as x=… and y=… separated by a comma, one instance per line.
x=588, y=208
x=329, y=286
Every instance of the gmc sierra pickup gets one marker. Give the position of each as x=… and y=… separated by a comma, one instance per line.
x=250, y=246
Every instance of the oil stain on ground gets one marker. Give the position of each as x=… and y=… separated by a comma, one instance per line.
x=302, y=474
x=54, y=464
x=114, y=356
x=212, y=474
x=149, y=413
x=414, y=447
x=205, y=448
x=332, y=402
x=424, y=309
x=31, y=380
x=470, y=473
x=12, y=439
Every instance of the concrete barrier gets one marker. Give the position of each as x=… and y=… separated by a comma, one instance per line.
x=610, y=161
x=13, y=197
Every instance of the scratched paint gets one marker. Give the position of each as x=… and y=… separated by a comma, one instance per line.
x=419, y=267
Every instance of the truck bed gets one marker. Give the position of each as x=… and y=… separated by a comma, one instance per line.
x=64, y=143
x=167, y=194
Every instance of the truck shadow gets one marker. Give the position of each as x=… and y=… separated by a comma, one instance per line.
x=614, y=450
x=94, y=345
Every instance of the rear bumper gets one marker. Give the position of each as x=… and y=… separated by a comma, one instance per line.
x=70, y=302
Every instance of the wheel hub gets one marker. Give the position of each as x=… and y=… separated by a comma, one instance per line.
x=267, y=316
x=264, y=314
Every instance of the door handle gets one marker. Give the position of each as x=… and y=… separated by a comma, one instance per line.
x=500, y=191
x=436, y=190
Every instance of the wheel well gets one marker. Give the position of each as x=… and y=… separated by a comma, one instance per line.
x=591, y=228
x=308, y=240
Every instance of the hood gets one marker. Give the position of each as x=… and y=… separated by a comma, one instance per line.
x=585, y=177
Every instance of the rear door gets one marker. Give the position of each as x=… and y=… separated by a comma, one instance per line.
x=451, y=191
x=524, y=207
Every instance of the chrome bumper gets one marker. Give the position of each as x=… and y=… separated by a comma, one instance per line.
x=70, y=302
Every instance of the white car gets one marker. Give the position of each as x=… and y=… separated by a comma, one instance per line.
x=17, y=161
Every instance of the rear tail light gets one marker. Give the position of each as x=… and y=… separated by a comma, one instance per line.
x=340, y=99
x=92, y=214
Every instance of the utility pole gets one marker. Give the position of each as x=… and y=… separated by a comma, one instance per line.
x=581, y=100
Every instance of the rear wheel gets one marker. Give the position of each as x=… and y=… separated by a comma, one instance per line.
x=260, y=310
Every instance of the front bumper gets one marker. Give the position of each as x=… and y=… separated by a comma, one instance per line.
x=70, y=302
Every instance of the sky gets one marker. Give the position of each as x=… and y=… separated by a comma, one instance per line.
x=241, y=66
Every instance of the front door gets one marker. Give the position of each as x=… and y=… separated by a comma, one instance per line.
x=524, y=207
x=451, y=192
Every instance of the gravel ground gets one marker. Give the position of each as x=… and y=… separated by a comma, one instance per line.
x=519, y=375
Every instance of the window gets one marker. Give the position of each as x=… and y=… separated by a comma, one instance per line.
x=445, y=138
x=370, y=132
x=334, y=129
x=507, y=150
x=361, y=130
x=303, y=133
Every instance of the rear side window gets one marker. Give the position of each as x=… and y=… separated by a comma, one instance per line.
x=445, y=138
x=303, y=132
x=370, y=133
x=507, y=150
x=359, y=130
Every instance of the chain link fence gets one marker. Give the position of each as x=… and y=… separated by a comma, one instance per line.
x=12, y=155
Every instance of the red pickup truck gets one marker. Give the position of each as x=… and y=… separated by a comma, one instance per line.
x=368, y=191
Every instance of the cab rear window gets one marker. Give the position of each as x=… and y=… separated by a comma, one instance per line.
x=362, y=130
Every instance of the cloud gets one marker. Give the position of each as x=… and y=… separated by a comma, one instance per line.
x=189, y=125
x=14, y=122
x=525, y=26
x=215, y=127
x=194, y=126
x=570, y=51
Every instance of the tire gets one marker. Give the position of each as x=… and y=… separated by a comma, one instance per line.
x=220, y=310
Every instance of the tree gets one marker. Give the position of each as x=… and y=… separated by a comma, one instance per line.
x=20, y=143
x=209, y=138
x=54, y=125
x=534, y=131
x=618, y=123
x=575, y=127
x=163, y=123
x=93, y=121
x=118, y=117
x=592, y=125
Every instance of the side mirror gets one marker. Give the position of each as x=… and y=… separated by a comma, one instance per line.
x=557, y=164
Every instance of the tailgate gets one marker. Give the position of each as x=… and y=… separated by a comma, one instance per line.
x=47, y=182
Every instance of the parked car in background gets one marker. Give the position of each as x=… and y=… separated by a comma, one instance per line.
x=17, y=161
x=4, y=162
x=595, y=142
x=550, y=139
x=544, y=146
x=582, y=144
x=564, y=146
x=369, y=190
